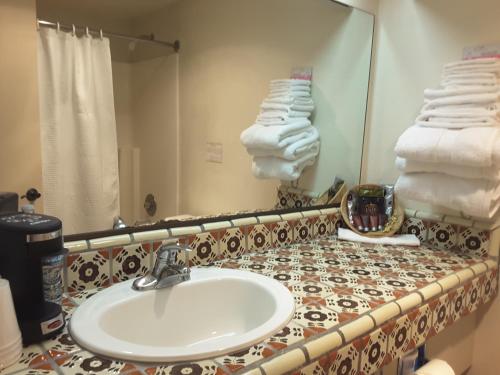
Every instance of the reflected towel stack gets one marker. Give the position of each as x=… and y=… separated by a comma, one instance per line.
x=282, y=140
x=451, y=156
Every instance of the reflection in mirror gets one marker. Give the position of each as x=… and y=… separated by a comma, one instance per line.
x=137, y=130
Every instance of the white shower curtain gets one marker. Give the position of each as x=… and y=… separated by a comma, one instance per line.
x=78, y=131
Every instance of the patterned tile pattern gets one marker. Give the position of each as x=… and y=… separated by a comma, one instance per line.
x=88, y=363
x=473, y=241
x=322, y=227
x=332, y=283
x=442, y=236
x=303, y=230
x=88, y=270
x=130, y=261
x=373, y=352
x=204, y=248
x=259, y=238
x=415, y=226
x=281, y=233
x=232, y=243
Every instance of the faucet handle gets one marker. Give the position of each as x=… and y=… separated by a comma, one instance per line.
x=169, y=253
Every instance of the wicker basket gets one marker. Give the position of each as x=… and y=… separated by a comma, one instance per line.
x=391, y=228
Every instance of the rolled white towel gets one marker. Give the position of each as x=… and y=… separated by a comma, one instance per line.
x=307, y=145
x=431, y=94
x=414, y=166
x=273, y=137
x=475, y=147
x=286, y=107
x=487, y=100
x=286, y=170
x=474, y=197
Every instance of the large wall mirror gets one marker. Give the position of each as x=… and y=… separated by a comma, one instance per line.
x=139, y=130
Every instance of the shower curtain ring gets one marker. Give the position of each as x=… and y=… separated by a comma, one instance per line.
x=74, y=29
x=87, y=31
x=58, y=27
x=101, y=34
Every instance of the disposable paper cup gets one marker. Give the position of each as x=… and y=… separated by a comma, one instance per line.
x=10, y=335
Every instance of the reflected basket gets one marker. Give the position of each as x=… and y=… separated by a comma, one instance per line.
x=393, y=224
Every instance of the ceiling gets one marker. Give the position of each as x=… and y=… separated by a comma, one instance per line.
x=116, y=9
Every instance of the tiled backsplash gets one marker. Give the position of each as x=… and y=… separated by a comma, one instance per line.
x=120, y=258
x=452, y=233
x=101, y=262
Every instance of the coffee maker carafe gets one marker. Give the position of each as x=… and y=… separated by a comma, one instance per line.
x=31, y=258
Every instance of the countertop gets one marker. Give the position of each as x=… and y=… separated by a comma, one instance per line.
x=343, y=291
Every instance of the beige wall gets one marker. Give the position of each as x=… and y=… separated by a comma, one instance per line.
x=413, y=40
x=20, y=153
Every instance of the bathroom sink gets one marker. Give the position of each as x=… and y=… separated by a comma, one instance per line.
x=216, y=312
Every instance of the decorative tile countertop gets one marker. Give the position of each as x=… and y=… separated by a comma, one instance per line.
x=357, y=308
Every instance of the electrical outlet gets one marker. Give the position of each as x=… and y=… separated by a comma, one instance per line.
x=214, y=152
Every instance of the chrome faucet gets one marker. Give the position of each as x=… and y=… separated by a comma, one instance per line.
x=168, y=269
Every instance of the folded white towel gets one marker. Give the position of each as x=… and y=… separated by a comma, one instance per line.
x=460, y=114
x=296, y=94
x=431, y=94
x=273, y=89
x=290, y=82
x=470, y=146
x=278, y=121
x=470, y=79
x=286, y=170
x=286, y=107
x=414, y=166
x=451, y=123
x=402, y=239
x=296, y=150
x=474, y=197
x=472, y=62
x=486, y=100
x=478, y=68
x=289, y=100
x=273, y=137
x=282, y=115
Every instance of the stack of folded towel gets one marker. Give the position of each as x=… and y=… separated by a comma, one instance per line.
x=282, y=141
x=451, y=156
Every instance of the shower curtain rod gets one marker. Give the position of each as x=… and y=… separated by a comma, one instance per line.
x=56, y=25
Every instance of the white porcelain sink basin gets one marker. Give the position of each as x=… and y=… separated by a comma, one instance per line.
x=216, y=312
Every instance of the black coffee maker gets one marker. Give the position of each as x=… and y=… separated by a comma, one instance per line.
x=31, y=258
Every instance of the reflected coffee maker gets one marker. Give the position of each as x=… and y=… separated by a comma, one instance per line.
x=31, y=258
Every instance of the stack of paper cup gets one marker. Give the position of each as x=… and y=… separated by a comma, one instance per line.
x=11, y=344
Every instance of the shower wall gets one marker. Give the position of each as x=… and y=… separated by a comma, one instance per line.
x=146, y=117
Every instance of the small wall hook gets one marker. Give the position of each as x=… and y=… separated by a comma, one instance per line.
x=37, y=24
